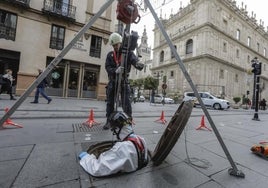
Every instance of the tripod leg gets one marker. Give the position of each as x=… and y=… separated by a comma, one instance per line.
x=54, y=62
x=234, y=170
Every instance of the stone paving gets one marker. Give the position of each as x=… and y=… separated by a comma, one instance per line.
x=44, y=152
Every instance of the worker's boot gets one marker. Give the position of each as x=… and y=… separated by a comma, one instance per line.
x=107, y=125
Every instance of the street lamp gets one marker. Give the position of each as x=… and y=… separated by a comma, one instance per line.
x=256, y=65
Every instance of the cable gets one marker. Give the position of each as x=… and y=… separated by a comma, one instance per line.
x=193, y=160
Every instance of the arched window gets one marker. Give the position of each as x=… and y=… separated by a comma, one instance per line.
x=162, y=55
x=189, y=46
x=172, y=54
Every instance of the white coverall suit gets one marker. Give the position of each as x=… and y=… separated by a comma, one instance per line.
x=124, y=156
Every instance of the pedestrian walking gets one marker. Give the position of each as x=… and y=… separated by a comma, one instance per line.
x=40, y=89
x=263, y=104
x=8, y=80
x=114, y=67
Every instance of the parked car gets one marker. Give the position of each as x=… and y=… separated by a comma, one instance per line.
x=208, y=99
x=141, y=99
x=158, y=98
x=169, y=100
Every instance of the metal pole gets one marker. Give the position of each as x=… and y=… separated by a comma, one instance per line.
x=256, y=116
x=54, y=63
x=253, y=105
x=233, y=171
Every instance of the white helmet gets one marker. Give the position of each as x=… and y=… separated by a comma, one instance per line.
x=115, y=38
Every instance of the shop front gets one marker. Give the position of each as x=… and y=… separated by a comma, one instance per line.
x=73, y=79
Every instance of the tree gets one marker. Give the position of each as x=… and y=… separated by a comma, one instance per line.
x=237, y=99
x=151, y=83
x=138, y=83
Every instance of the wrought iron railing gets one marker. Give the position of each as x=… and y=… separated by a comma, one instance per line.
x=94, y=52
x=24, y=3
x=59, y=8
x=56, y=43
x=7, y=32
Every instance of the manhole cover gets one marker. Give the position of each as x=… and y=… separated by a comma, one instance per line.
x=79, y=127
x=172, y=132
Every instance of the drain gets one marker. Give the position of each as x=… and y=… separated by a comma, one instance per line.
x=79, y=127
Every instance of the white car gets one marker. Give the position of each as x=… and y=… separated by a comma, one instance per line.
x=141, y=99
x=208, y=99
x=169, y=100
x=158, y=98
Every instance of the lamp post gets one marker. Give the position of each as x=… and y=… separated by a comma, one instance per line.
x=256, y=65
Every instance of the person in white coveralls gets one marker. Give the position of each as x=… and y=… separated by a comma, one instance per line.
x=128, y=154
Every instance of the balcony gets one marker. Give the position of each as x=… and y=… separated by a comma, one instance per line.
x=21, y=3
x=59, y=9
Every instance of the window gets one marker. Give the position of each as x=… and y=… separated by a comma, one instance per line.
x=172, y=54
x=225, y=22
x=236, y=78
x=264, y=52
x=225, y=47
x=249, y=41
x=162, y=55
x=222, y=74
x=65, y=7
x=171, y=73
x=249, y=59
x=95, y=46
x=237, y=53
x=238, y=34
x=57, y=37
x=189, y=46
x=8, y=25
x=258, y=47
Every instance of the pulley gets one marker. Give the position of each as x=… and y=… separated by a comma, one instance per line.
x=127, y=12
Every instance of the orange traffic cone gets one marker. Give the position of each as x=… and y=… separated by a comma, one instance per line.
x=162, y=118
x=90, y=122
x=10, y=122
x=202, y=124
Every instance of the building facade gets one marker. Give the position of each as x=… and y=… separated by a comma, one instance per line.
x=216, y=41
x=144, y=51
x=33, y=33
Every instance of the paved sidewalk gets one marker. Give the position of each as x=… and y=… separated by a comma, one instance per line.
x=44, y=152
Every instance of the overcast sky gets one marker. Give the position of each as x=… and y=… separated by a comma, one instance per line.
x=172, y=6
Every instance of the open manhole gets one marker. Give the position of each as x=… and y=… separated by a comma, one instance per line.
x=97, y=148
x=79, y=127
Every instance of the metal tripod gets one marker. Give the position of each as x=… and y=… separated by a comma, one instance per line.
x=233, y=171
